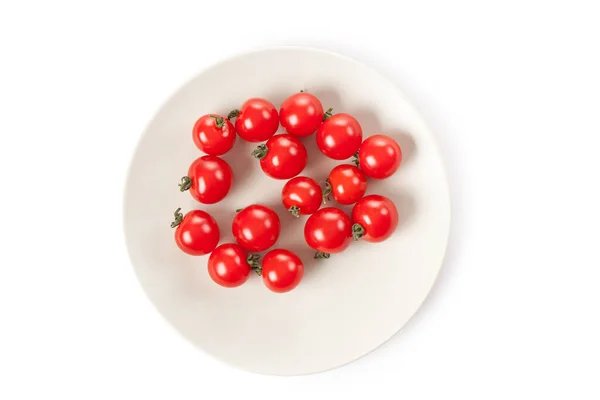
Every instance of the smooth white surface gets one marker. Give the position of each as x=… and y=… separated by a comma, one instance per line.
x=345, y=306
x=510, y=91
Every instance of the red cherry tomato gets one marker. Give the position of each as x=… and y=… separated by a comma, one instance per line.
x=256, y=121
x=197, y=233
x=301, y=196
x=256, y=227
x=282, y=270
x=379, y=156
x=375, y=218
x=347, y=184
x=339, y=136
x=209, y=179
x=301, y=114
x=282, y=157
x=229, y=265
x=329, y=230
x=213, y=134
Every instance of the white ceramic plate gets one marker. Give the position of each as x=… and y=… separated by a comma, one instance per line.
x=345, y=306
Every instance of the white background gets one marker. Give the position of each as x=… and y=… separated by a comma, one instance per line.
x=511, y=90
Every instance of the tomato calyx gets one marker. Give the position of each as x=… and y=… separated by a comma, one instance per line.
x=355, y=159
x=238, y=210
x=253, y=261
x=233, y=113
x=219, y=121
x=319, y=255
x=186, y=184
x=357, y=231
x=328, y=114
x=260, y=151
x=295, y=211
x=178, y=218
x=326, y=192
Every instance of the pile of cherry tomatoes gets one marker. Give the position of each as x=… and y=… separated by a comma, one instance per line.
x=256, y=228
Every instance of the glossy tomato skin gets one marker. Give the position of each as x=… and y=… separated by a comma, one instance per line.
x=339, y=136
x=285, y=157
x=379, y=156
x=377, y=215
x=282, y=270
x=348, y=184
x=257, y=120
x=303, y=193
x=197, y=234
x=227, y=265
x=256, y=227
x=211, y=179
x=329, y=230
x=301, y=114
x=212, y=139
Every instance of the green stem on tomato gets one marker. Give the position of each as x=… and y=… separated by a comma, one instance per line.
x=253, y=261
x=357, y=231
x=328, y=114
x=186, y=184
x=295, y=211
x=319, y=255
x=233, y=114
x=326, y=192
x=355, y=159
x=219, y=121
x=260, y=151
x=178, y=218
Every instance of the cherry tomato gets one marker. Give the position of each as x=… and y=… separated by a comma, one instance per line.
x=328, y=230
x=339, y=136
x=282, y=157
x=375, y=218
x=301, y=196
x=301, y=114
x=209, y=179
x=282, y=270
x=256, y=121
x=197, y=233
x=379, y=156
x=347, y=184
x=256, y=227
x=213, y=134
x=229, y=265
